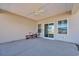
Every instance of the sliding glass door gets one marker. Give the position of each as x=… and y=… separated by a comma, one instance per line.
x=49, y=30
x=46, y=30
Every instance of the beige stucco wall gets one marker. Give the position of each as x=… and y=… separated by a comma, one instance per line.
x=75, y=8
x=13, y=27
x=74, y=24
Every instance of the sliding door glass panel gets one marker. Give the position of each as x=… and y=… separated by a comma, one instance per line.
x=39, y=28
x=51, y=30
x=46, y=30
x=51, y=35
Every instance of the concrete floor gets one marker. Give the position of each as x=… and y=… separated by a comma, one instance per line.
x=38, y=47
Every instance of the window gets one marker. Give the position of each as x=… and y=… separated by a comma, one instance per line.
x=62, y=27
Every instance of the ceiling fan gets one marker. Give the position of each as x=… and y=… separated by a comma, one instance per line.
x=39, y=11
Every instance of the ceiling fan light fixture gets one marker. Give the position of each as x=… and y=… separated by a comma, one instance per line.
x=39, y=12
